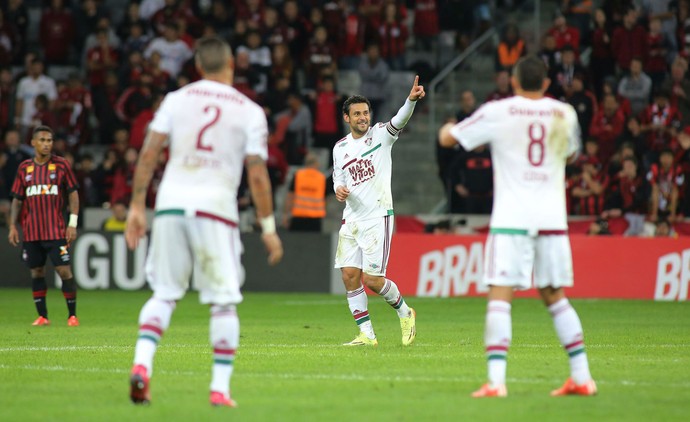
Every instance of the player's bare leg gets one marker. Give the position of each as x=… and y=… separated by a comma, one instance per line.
x=389, y=291
x=358, y=303
x=497, y=338
x=569, y=330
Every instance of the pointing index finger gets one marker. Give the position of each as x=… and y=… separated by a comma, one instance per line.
x=416, y=80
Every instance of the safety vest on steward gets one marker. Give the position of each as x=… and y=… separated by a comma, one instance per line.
x=310, y=194
x=508, y=56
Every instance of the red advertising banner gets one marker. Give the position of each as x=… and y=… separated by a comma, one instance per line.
x=605, y=267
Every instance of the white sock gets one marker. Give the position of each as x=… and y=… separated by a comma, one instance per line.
x=225, y=338
x=497, y=336
x=358, y=303
x=154, y=319
x=392, y=296
x=569, y=331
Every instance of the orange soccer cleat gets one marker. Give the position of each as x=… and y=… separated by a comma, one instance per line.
x=139, y=385
x=73, y=321
x=570, y=388
x=487, y=391
x=220, y=400
x=40, y=321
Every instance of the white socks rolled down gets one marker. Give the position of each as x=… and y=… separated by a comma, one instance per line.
x=358, y=304
x=569, y=331
x=497, y=338
x=154, y=319
x=224, y=334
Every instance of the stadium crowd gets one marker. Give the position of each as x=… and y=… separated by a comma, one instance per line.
x=624, y=68
x=124, y=56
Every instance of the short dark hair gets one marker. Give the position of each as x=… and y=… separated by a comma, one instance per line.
x=212, y=54
x=41, y=128
x=355, y=99
x=530, y=72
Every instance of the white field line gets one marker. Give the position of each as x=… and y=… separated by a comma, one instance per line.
x=317, y=347
x=340, y=377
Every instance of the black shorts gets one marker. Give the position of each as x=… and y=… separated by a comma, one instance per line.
x=34, y=254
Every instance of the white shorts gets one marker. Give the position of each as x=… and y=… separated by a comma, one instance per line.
x=209, y=249
x=365, y=245
x=511, y=260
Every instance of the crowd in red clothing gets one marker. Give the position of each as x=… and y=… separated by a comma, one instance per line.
x=287, y=53
x=632, y=97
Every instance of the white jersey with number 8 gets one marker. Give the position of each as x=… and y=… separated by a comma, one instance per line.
x=212, y=127
x=530, y=142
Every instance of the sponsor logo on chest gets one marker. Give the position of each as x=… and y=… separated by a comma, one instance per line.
x=34, y=190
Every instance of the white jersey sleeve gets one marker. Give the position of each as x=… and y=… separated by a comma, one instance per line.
x=574, y=135
x=476, y=130
x=162, y=120
x=385, y=133
x=257, y=135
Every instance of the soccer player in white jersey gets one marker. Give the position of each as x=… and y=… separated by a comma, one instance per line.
x=362, y=168
x=212, y=130
x=531, y=139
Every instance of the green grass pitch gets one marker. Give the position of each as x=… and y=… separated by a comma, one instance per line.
x=291, y=367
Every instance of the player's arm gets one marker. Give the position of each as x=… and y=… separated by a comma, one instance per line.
x=15, y=209
x=339, y=182
x=73, y=199
x=403, y=116
x=148, y=160
x=260, y=188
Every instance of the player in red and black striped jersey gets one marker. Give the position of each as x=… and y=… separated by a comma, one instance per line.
x=39, y=191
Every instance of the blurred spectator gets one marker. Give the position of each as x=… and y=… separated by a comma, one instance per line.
x=321, y=56
x=589, y=188
x=610, y=86
x=141, y=122
x=296, y=28
x=441, y=227
x=221, y=18
x=607, y=126
x=282, y=66
x=251, y=11
x=149, y=8
x=246, y=80
x=583, y=101
x=563, y=74
x=393, y=35
x=239, y=34
x=14, y=153
x=104, y=102
x=351, y=43
x=426, y=26
x=549, y=53
x=171, y=13
x=659, y=48
x=472, y=180
x=123, y=176
x=510, y=48
x=629, y=198
x=374, y=73
x=298, y=136
x=57, y=32
x=100, y=59
x=664, y=229
x=131, y=70
x=160, y=78
x=578, y=13
x=137, y=39
x=88, y=189
x=135, y=99
x=132, y=18
x=633, y=135
x=679, y=88
x=503, y=88
x=30, y=87
x=600, y=227
x=273, y=31
x=103, y=175
x=259, y=56
x=173, y=50
x=16, y=12
x=565, y=34
x=601, y=63
x=626, y=150
x=73, y=108
x=43, y=115
x=636, y=87
x=9, y=41
x=664, y=12
x=86, y=19
x=103, y=24
x=327, y=117
x=660, y=122
x=117, y=220
x=666, y=181
x=628, y=41
x=7, y=91
x=276, y=98
x=683, y=28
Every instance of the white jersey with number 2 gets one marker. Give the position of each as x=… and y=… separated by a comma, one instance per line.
x=530, y=142
x=212, y=127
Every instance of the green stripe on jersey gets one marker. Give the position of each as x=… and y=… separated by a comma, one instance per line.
x=371, y=150
x=389, y=212
x=171, y=211
x=500, y=230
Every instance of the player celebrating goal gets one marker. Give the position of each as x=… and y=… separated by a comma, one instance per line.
x=39, y=190
x=531, y=139
x=213, y=130
x=362, y=168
